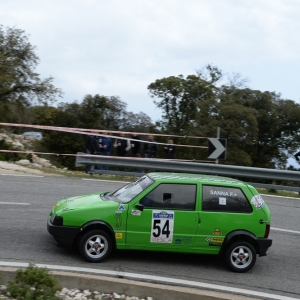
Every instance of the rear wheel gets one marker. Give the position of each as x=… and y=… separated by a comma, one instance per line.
x=240, y=256
x=95, y=246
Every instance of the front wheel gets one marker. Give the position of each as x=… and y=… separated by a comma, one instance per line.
x=240, y=256
x=95, y=246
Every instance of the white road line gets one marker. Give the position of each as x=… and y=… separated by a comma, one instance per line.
x=15, y=203
x=20, y=175
x=158, y=279
x=285, y=197
x=285, y=230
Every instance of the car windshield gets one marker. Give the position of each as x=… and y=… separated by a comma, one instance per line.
x=126, y=193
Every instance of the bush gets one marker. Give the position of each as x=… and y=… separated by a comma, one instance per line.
x=33, y=283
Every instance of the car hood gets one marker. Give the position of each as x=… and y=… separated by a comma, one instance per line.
x=82, y=202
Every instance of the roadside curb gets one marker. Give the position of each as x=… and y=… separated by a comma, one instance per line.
x=128, y=287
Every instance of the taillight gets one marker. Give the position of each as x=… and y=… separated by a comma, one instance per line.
x=267, y=232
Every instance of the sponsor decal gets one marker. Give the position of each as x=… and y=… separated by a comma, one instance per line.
x=214, y=244
x=258, y=201
x=217, y=232
x=214, y=240
x=136, y=212
x=121, y=207
x=222, y=193
x=163, y=215
x=119, y=219
x=222, y=201
x=119, y=235
x=183, y=240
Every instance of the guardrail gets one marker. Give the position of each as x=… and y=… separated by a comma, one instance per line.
x=83, y=159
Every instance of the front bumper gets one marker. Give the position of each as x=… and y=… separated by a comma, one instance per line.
x=263, y=246
x=63, y=235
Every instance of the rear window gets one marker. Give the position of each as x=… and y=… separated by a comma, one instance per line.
x=224, y=199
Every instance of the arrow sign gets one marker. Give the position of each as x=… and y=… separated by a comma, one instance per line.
x=217, y=148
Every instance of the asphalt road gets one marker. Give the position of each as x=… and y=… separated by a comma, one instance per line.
x=25, y=203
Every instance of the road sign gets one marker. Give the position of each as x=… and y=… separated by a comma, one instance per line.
x=217, y=148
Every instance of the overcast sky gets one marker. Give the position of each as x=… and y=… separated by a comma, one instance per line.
x=118, y=47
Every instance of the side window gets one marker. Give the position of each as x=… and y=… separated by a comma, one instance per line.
x=171, y=196
x=224, y=199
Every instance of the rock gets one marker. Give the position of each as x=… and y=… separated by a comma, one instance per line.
x=23, y=162
x=17, y=145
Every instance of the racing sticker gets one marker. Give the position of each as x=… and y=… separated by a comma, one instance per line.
x=214, y=241
x=217, y=232
x=121, y=207
x=136, y=212
x=162, y=226
x=222, y=201
x=118, y=219
x=183, y=240
x=119, y=235
x=258, y=201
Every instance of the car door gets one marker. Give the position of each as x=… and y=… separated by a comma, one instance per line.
x=222, y=209
x=168, y=219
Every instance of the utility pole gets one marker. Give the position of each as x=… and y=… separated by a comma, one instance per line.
x=218, y=136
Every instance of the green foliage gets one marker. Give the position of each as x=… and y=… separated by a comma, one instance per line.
x=6, y=156
x=33, y=283
x=179, y=98
x=261, y=128
x=18, y=81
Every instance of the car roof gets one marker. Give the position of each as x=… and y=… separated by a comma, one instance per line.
x=207, y=179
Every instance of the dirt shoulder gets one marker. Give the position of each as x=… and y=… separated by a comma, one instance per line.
x=12, y=168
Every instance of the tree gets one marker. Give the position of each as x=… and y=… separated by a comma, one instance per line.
x=179, y=98
x=92, y=109
x=19, y=83
x=278, y=128
x=261, y=128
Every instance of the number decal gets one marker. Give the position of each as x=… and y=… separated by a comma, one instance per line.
x=162, y=226
x=166, y=229
x=156, y=226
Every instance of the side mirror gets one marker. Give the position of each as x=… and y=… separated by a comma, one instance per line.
x=140, y=207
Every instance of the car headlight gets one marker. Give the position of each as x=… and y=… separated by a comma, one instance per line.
x=56, y=220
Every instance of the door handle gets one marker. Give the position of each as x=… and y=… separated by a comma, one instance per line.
x=262, y=221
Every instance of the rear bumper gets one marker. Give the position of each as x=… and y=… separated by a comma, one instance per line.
x=63, y=235
x=263, y=246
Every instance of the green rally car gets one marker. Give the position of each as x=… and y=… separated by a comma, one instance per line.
x=173, y=212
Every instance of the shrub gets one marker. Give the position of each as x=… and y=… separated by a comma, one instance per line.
x=33, y=283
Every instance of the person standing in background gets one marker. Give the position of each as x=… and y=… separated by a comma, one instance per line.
x=170, y=149
x=104, y=148
x=92, y=147
x=297, y=157
x=122, y=145
x=136, y=147
x=150, y=148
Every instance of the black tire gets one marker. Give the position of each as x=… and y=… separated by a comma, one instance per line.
x=240, y=256
x=95, y=246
